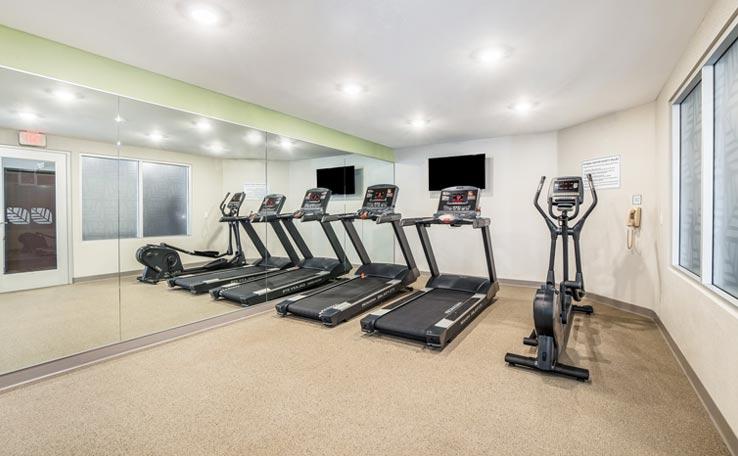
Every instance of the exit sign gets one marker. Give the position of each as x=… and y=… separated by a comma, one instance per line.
x=31, y=138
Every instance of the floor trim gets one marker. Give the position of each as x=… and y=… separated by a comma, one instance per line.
x=86, y=358
x=721, y=424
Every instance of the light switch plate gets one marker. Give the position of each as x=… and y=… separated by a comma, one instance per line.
x=636, y=200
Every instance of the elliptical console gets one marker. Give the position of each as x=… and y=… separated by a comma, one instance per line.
x=552, y=307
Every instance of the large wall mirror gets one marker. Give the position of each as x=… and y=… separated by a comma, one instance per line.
x=89, y=178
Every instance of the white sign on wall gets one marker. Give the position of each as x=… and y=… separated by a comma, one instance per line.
x=255, y=192
x=605, y=172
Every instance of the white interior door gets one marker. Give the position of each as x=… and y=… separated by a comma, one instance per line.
x=33, y=219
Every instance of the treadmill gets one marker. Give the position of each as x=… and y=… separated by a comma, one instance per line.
x=372, y=283
x=311, y=271
x=449, y=302
x=269, y=213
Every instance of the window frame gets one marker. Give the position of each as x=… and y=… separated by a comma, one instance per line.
x=704, y=74
x=139, y=201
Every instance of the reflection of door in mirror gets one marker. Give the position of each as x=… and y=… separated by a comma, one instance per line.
x=33, y=228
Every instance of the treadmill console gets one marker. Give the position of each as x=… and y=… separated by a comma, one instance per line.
x=271, y=205
x=566, y=192
x=378, y=200
x=234, y=204
x=315, y=203
x=458, y=203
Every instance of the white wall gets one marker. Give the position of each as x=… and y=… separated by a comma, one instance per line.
x=519, y=237
x=703, y=325
x=610, y=269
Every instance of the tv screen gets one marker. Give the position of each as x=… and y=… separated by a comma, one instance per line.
x=338, y=180
x=447, y=172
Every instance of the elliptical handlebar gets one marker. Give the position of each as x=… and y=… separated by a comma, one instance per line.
x=592, y=205
x=223, y=205
x=549, y=222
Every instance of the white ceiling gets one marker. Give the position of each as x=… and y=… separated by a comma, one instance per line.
x=577, y=59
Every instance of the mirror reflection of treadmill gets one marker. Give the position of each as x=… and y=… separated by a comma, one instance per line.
x=310, y=273
x=439, y=312
x=372, y=283
x=268, y=213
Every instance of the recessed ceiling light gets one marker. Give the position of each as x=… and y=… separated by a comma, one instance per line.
x=255, y=137
x=64, y=95
x=27, y=115
x=205, y=15
x=522, y=106
x=156, y=136
x=118, y=143
x=119, y=119
x=203, y=125
x=418, y=122
x=286, y=143
x=351, y=89
x=491, y=55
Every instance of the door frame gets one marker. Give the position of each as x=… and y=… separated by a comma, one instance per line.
x=63, y=272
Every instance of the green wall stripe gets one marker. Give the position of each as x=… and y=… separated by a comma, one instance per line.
x=33, y=54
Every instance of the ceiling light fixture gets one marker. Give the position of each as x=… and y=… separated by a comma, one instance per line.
x=255, y=137
x=156, y=136
x=418, y=122
x=205, y=15
x=522, y=106
x=491, y=55
x=28, y=115
x=351, y=89
x=64, y=95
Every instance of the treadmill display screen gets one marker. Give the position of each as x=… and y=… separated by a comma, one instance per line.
x=458, y=200
x=380, y=197
x=271, y=204
x=316, y=200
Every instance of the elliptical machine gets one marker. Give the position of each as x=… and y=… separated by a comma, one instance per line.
x=552, y=308
x=162, y=261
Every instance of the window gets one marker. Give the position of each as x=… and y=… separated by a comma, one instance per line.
x=124, y=198
x=705, y=146
x=690, y=180
x=725, y=202
x=109, y=198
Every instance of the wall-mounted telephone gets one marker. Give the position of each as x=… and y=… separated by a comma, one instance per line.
x=634, y=223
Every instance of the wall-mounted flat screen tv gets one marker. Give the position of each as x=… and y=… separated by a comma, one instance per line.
x=446, y=172
x=340, y=180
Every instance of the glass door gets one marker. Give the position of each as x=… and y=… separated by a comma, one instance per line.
x=33, y=224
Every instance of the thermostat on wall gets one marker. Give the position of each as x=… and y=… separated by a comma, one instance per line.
x=31, y=138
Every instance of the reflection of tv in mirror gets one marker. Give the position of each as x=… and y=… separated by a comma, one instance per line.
x=445, y=172
x=339, y=180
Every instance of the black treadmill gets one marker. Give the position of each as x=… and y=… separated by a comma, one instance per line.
x=449, y=302
x=372, y=283
x=268, y=213
x=310, y=273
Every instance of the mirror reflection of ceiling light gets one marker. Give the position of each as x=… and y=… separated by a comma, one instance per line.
x=255, y=137
x=156, y=136
x=119, y=119
x=203, y=125
x=64, y=95
x=286, y=143
x=216, y=148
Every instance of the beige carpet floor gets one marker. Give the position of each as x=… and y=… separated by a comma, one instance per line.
x=281, y=386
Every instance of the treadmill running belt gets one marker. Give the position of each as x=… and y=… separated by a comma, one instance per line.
x=350, y=291
x=415, y=317
x=224, y=274
x=276, y=281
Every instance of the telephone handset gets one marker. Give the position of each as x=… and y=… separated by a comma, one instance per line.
x=634, y=223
